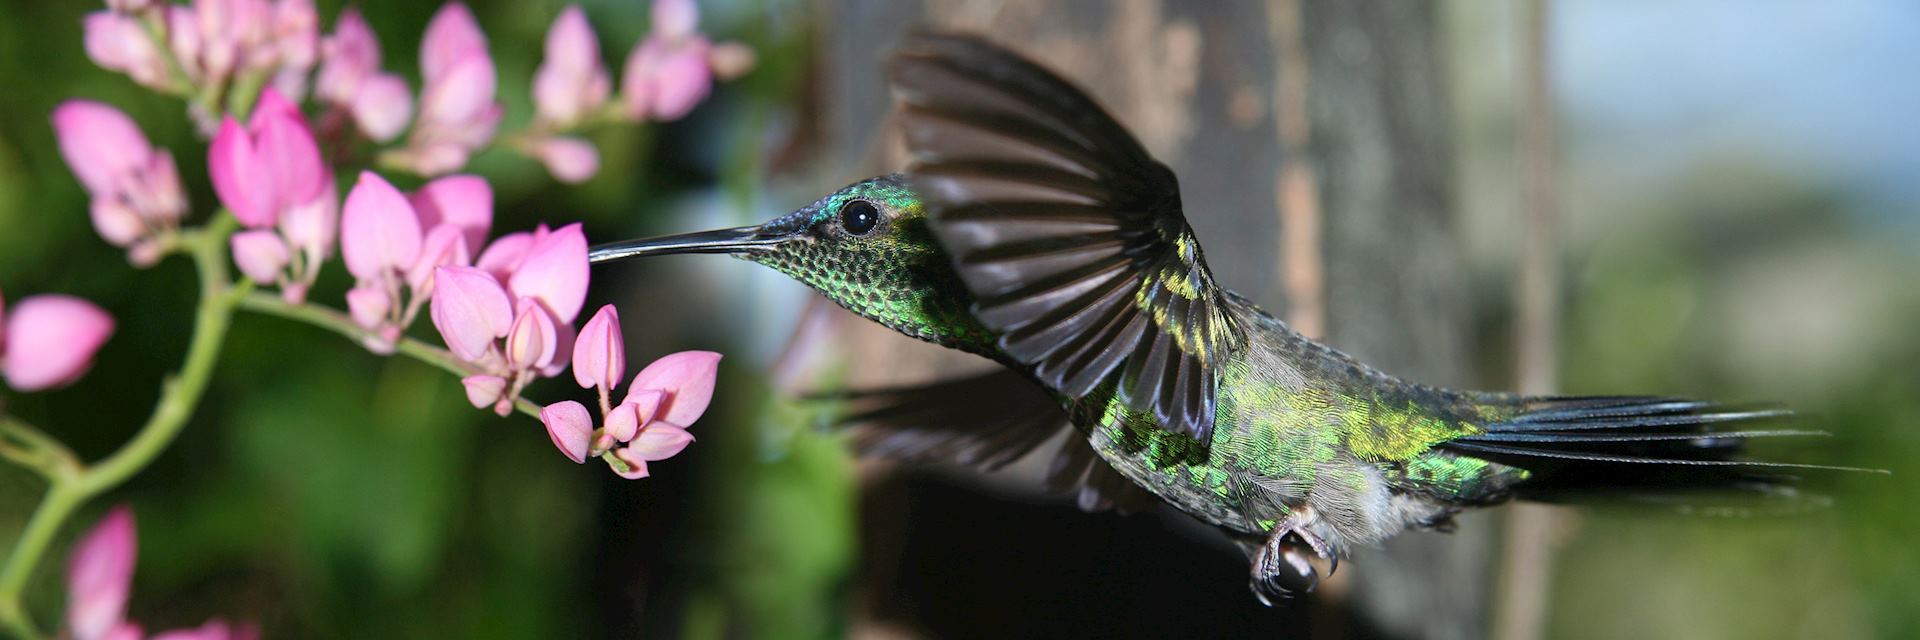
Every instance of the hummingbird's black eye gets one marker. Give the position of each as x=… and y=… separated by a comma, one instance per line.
x=859, y=217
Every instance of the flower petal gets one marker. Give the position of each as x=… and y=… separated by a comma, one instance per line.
x=261, y=254
x=382, y=106
x=100, y=575
x=600, y=354
x=453, y=34
x=100, y=143
x=623, y=423
x=285, y=144
x=378, y=228
x=659, y=441
x=531, y=340
x=464, y=201
x=483, y=391
x=505, y=254
x=309, y=227
x=369, y=306
x=116, y=223
x=51, y=340
x=461, y=97
x=687, y=378
x=555, y=272
x=470, y=310
x=444, y=246
x=571, y=160
x=570, y=427
x=675, y=18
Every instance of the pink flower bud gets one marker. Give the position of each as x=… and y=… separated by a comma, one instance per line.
x=484, y=391
x=51, y=340
x=451, y=36
x=570, y=427
x=382, y=106
x=463, y=201
x=470, y=310
x=100, y=144
x=378, y=229
x=116, y=42
x=571, y=160
x=687, y=378
x=659, y=441
x=600, y=355
x=100, y=576
x=571, y=81
x=663, y=80
x=461, y=98
x=309, y=228
x=261, y=254
x=369, y=306
x=532, y=339
x=623, y=422
x=555, y=272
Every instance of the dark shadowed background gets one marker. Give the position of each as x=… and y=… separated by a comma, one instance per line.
x=1739, y=218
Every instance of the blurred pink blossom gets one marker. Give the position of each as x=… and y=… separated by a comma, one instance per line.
x=117, y=42
x=136, y=189
x=350, y=78
x=458, y=114
x=100, y=579
x=571, y=81
x=100, y=576
x=49, y=340
x=667, y=73
x=571, y=160
x=296, y=41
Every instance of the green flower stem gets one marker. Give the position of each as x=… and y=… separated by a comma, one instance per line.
x=333, y=320
x=72, y=486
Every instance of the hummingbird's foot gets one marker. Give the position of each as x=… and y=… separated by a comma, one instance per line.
x=1281, y=566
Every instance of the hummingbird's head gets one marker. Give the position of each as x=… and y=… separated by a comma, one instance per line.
x=866, y=247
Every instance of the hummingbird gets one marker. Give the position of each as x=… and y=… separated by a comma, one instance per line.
x=1034, y=230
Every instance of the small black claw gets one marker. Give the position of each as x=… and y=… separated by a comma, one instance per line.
x=1283, y=565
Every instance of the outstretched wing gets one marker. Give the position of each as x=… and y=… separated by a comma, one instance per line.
x=1068, y=235
x=946, y=421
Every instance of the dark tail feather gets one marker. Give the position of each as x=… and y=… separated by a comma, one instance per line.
x=1669, y=451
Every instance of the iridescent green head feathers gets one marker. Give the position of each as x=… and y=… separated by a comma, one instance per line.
x=866, y=247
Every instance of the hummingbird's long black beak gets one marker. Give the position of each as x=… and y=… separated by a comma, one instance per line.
x=735, y=240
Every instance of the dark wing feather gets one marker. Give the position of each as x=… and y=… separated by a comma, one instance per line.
x=1069, y=236
x=946, y=421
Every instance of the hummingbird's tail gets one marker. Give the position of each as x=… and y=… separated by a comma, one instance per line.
x=1684, y=453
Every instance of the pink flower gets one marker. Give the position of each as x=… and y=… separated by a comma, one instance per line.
x=570, y=426
x=350, y=78
x=136, y=189
x=100, y=577
x=270, y=166
x=380, y=239
x=48, y=341
x=571, y=81
x=471, y=311
x=458, y=114
x=116, y=42
x=667, y=73
x=600, y=354
x=571, y=160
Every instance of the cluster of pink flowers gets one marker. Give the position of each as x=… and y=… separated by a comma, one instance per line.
x=48, y=340
x=270, y=175
x=220, y=44
x=136, y=191
x=100, y=582
x=650, y=424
